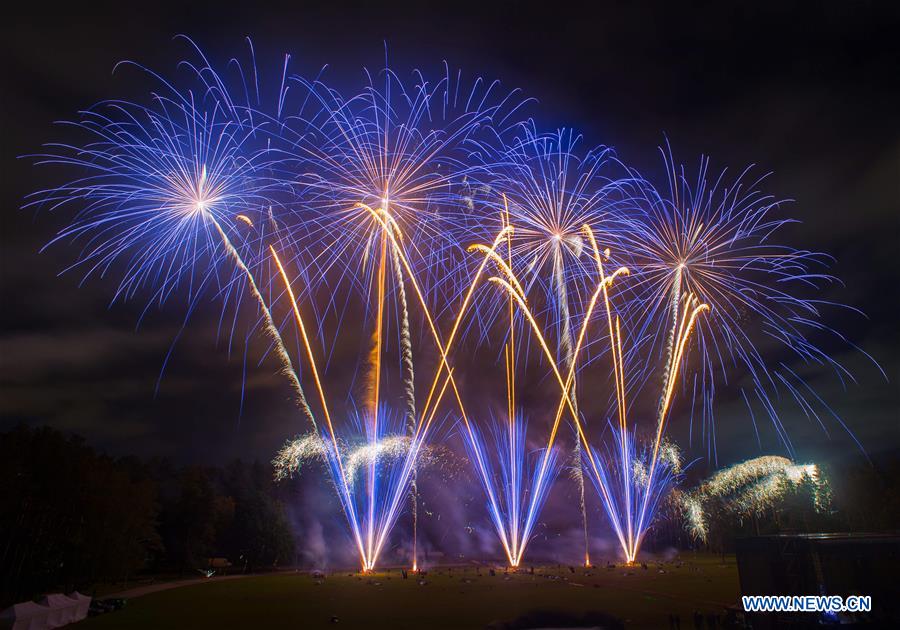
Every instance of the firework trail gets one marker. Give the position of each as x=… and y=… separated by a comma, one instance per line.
x=568, y=362
x=393, y=232
x=513, y=503
x=689, y=312
x=410, y=391
x=376, y=386
x=639, y=500
x=670, y=342
x=625, y=485
x=382, y=501
x=270, y=327
x=339, y=475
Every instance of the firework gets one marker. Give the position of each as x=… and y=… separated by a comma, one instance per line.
x=396, y=149
x=513, y=289
x=402, y=147
x=373, y=197
x=164, y=193
x=297, y=452
x=640, y=501
x=507, y=468
x=632, y=518
x=315, y=448
x=718, y=240
x=513, y=504
x=749, y=488
x=630, y=494
x=371, y=519
x=162, y=185
x=550, y=192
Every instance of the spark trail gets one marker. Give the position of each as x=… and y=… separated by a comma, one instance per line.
x=410, y=392
x=270, y=327
x=568, y=362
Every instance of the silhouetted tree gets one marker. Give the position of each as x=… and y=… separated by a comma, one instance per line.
x=259, y=536
x=69, y=517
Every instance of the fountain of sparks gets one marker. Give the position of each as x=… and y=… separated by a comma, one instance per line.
x=749, y=489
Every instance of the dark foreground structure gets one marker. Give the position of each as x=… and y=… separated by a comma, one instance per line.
x=823, y=564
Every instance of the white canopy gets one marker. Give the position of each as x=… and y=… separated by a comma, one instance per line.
x=82, y=604
x=62, y=609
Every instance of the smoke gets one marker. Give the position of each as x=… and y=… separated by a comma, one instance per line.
x=453, y=522
x=315, y=550
x=453, y=527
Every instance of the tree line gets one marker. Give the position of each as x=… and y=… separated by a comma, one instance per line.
x=71, y=518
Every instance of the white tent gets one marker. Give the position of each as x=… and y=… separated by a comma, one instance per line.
x=82, y=604
x=62, y=609
x=25, y=616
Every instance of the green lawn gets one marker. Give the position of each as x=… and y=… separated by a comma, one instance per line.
x=449, y=599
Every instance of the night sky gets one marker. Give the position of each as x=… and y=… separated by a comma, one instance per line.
x=811, y=95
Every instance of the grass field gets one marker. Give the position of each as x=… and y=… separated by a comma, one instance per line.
x=443, y=598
